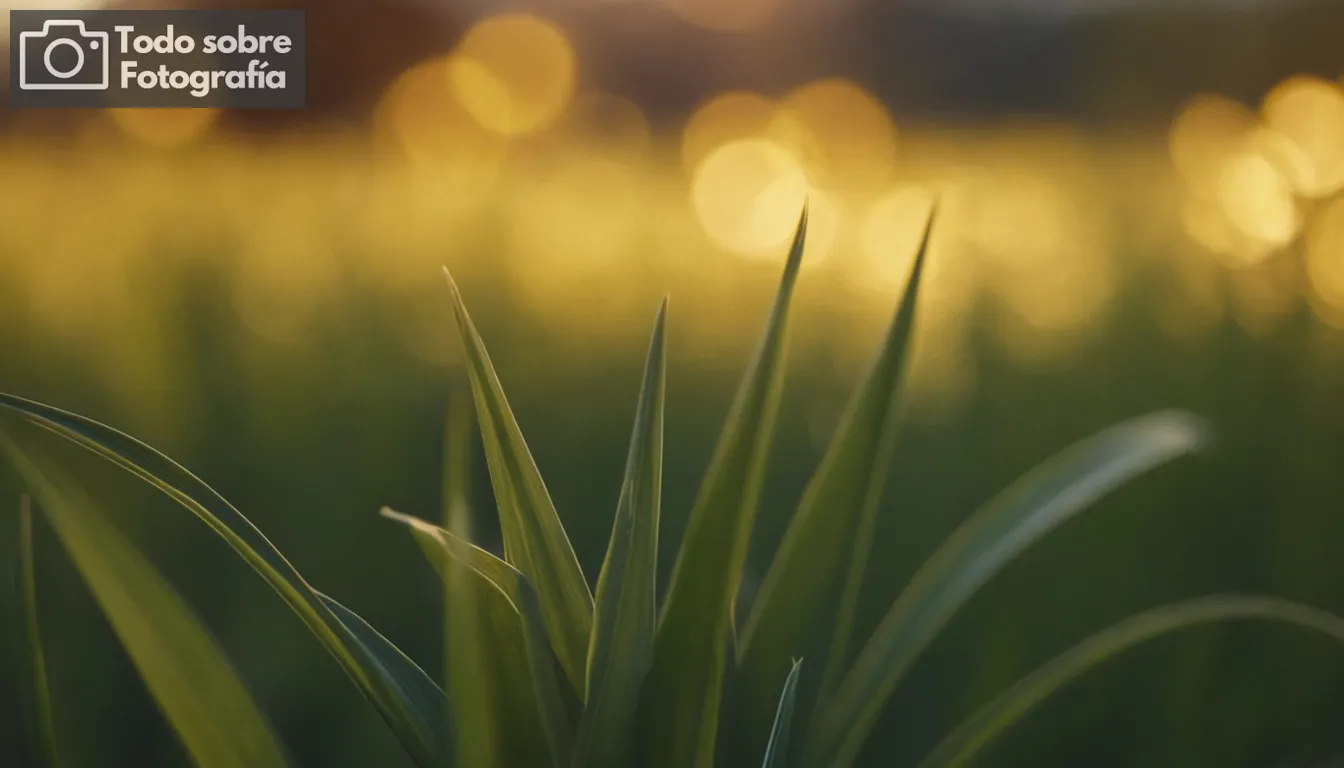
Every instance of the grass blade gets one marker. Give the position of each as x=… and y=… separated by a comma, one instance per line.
x=681, y=695
x=178, y=660
x=474, y=700
x=417, y=723
x=777, y=748
x=534, y=540
x=1011, y=705
x=44, y=741
x=1021, y=515
x=626, y=615
x=810, y=592
x=444, y=550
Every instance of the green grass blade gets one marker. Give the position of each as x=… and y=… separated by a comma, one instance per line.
x=44, y=737
x=178, y=660
x=626, y=614
x=534, y=539
x=444, y=550
x=777, y=748
x=810, y=592
x=475, y=699
x=993, y=536
x=680, y=700
x=1011, y=705
x=417, y=724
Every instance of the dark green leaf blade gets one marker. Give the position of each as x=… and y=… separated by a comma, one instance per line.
x=1030, y=508
x=680, y=699
x=179, y=662
x=535, y=542
x=1008, y=707
x=625, y=617
x=777, y=748
x=809, y=594
x=444, y=550
x=411, y=681
x=415, y=723
x=39, y=694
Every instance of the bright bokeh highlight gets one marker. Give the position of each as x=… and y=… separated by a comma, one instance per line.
x=1309, y=113
x=748, y=194
x=513, y=73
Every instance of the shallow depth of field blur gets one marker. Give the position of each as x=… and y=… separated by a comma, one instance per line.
x=1140, y=207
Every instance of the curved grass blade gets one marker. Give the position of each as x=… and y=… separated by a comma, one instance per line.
x=44, y=737
x=534, y=539
x=626, y=614
x=777, y=748
x=1011, y=705
x=416, y=723
x=680, y=699
x=810, y=592
x=179, y=662
x=443, y=549
x=993, y=536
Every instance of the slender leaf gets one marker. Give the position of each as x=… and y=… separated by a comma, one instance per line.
x=534, y=539
x=626, y=615
x=178, y=660
x=680, y=699
x=479, y=734
x=416, y=722
x=401, y=670
x=1009, y=706
x=993, y=536
x=443, y=548
x=44, y=737
x=777, y=748
x=809, y=594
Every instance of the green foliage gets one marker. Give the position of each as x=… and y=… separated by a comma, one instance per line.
x=411, y=704
x=39, y=702
x=538, y=673
x=178, y=660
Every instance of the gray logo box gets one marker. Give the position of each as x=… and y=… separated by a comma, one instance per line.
x=240, y=59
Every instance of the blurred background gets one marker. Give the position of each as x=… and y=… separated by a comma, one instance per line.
x=1140, y=208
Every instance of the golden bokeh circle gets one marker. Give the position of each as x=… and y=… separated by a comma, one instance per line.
x=842, y=133
x=1309, y=113
x=1207, y=131
x=514, y=73
x=747, y=195
x=724, y=118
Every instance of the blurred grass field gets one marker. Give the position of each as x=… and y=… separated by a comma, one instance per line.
x=270, y=310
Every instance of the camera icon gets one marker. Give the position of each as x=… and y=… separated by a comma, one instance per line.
x=64, y=56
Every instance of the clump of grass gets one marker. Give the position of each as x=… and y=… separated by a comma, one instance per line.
x=542, y=670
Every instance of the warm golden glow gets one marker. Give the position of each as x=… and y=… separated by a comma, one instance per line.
x=724, y=118
x=748, y=194
x=843, y=135
x=1309, y=113
x=890, y=232
x=1325, y=263
x=609, y=124
x=164, y=128
x=1258, y=200
x=513, y=73
x=422, y=118
x=1208, y=131
x=725, y=15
